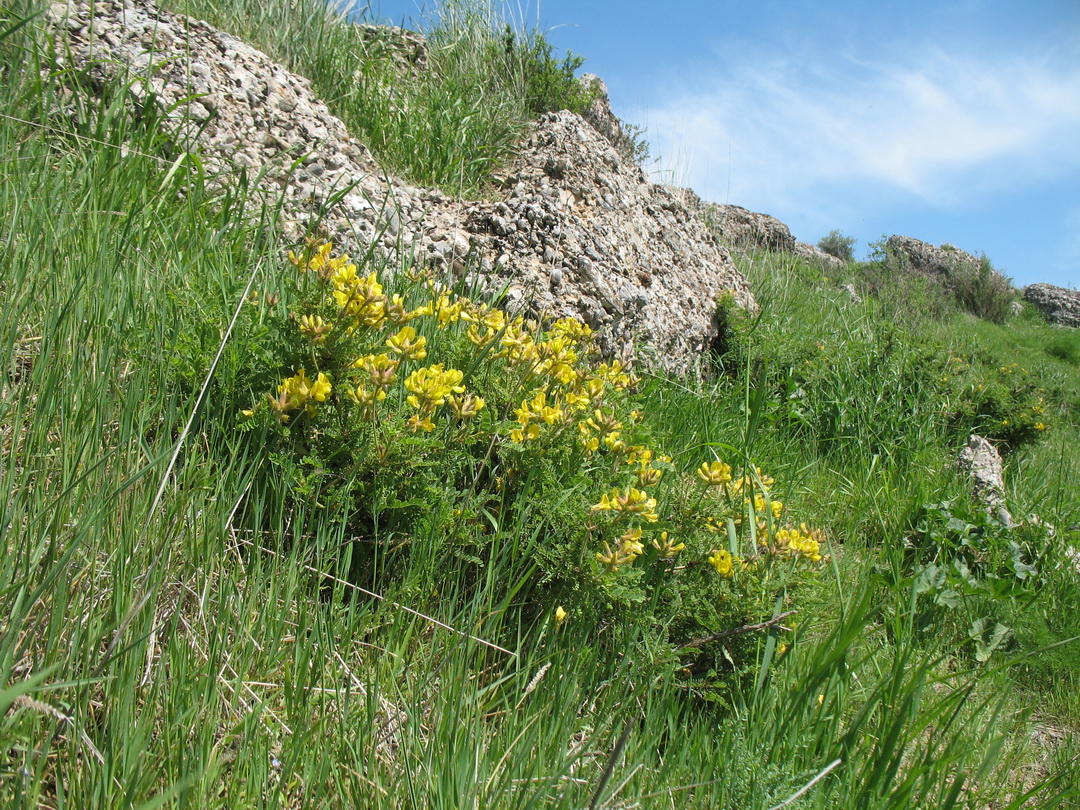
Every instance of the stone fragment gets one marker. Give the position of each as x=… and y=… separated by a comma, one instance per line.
x=982, y=463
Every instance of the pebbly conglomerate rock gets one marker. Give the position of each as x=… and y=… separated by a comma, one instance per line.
x=578, y=230
x=815, y=255
x=1060, y=305
x=937, y=261
x=741, y=228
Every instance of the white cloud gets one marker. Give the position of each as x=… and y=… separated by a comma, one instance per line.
x=936, y=126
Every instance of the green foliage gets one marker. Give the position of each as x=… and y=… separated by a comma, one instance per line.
x=205, y=610
x=983, y=291
x=977, y=289
x=1065, y=347
x=838, y=245
x=549, y=83
x=512, y=414
x=450, y=124
x=958, y=550
x=1002, y=403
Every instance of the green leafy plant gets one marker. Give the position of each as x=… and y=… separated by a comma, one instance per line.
x=957, y=551
x=547, y=83
x=838, y=245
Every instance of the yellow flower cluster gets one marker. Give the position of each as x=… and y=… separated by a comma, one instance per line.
x=667, y=547
x=382, y=372
x=360, y=298
x=723, y=562
x=562, y=391
x=629, y=501
x=801, y=542
x=629, y=549
x=407, y=344
x=428, y=389
x=714, y=473
x=299, y=391
x=315, y=329
x=727, y=498
x=318, y=258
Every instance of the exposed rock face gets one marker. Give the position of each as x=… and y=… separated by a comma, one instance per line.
x=812, y=253
x=602, y=118
x=583, y=233
x=579, y=231
x=940, y=262
x=745, y=229
x=1060, y=305
x=982, y=463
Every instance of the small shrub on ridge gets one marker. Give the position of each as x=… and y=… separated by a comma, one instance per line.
x=838, y=245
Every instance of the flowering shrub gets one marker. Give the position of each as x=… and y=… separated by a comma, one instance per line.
x=1001, y=402
x=433, y=422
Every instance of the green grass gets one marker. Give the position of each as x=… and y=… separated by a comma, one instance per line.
x=170, y=636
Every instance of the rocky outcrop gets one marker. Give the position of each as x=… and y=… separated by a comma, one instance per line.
x=600, y=115
x=816, y=255
x=578, y=230
x=1060, y=305
x=938, y=261
x=740, y=228
x=582, y=232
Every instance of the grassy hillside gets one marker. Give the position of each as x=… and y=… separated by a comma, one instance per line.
x=227, y=584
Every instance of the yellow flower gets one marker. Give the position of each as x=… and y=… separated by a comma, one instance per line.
x=590, y=443
x=380, y=367
x=366, y=399
x=314, y=328
x=649, y=476
x=631, y=542
x=667, y=547
x=714, y=473
x=415, y=423
x=360, y=299
x=321, y=388
x=299, y=391
x=407, y=344
x=722, y=562
x=466, y=407
x=560, y=615
x=429, y=387
x=625, y=553
x=630, y=500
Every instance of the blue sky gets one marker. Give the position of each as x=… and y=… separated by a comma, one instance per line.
x=950, y=121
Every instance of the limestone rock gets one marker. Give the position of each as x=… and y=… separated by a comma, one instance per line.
x=815, y=255
x=982, y=463
x=635, y=259
x=740, y=228
x=1060, y=305
x=578, y=229
x=852, y=293
x=601, y=117
x=937, y=261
